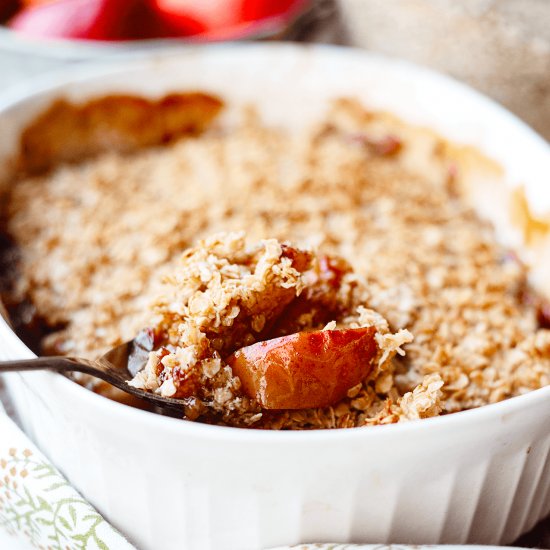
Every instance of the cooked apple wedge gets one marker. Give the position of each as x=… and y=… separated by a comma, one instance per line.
x=306, y=369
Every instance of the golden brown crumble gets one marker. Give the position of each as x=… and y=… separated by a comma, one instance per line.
x=66, y=132
x=224, y=295
x=96, y=240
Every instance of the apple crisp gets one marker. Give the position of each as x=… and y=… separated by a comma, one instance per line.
x=224, y=297
x=385, y=204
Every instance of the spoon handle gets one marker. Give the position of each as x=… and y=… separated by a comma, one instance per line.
x=60, y=364
x=101, y=368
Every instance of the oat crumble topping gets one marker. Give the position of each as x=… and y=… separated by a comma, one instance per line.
x=384, y=202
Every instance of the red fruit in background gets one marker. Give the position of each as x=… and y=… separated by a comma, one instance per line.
x=253, y=10
x=228, y=19
x=8, y=8
x=96, y=20
x=27, y=3
x=305, y=369
x=84, y=19
x=139, y=19
x=144, y=22
x=212, y=14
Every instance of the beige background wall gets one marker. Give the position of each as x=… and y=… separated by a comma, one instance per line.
x=501, y=47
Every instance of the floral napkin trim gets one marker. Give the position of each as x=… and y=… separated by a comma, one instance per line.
x=37, y=502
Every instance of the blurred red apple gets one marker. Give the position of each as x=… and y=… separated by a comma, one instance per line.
x=227, y=19
x=8, y=8
x=84, y=19
x=212, y=14
x=97, y=20
x=28, y=3
x=145, y=22
x=254, y=10
x=138, y=19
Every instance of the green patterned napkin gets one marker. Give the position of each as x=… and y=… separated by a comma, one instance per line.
x=37, y=502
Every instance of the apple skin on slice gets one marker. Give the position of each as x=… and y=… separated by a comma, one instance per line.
x=306, y=369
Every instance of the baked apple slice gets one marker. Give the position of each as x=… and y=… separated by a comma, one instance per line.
x=306, y=369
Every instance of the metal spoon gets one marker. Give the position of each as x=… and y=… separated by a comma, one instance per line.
x=117, y=367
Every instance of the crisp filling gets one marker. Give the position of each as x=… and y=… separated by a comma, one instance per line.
x=384, y=238
x=271, y=326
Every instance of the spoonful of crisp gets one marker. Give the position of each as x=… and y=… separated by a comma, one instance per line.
x=246, y=329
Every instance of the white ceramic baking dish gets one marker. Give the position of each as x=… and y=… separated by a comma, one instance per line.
x=480, y=476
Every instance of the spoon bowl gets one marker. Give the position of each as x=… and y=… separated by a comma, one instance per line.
x=117, y=367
